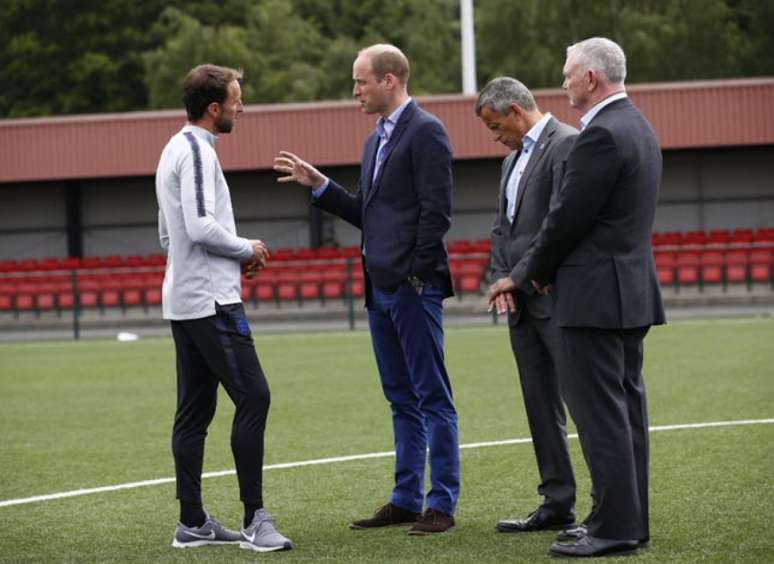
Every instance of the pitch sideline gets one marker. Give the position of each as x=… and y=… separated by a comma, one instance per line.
x=337, y=459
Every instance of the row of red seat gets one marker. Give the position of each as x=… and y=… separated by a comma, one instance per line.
x=734, y=266
x=324, y=281
x=714, y=237
x=741, y=237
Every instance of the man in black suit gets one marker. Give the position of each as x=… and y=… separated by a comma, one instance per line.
x=594, y=247
x=530, y=179
x=403, y=208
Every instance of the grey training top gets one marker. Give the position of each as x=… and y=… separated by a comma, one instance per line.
x=196, y=228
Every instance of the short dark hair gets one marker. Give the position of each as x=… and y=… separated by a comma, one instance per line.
x=204, y=85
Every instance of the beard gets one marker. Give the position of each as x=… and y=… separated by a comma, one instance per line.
x=224, y=124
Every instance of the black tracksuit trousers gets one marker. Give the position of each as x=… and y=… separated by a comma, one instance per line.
x=210, y=351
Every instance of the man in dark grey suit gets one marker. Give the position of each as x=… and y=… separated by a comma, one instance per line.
x=530, y=178
x=594, y=247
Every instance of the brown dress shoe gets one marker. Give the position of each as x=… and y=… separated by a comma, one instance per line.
x=432, y=522
x=386, y=516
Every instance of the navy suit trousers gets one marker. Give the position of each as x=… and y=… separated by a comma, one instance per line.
x=407, y=335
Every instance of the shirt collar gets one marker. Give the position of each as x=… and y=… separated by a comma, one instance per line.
x=385, y=127
x=588, y=116
x=535, y=132
x=201, y=132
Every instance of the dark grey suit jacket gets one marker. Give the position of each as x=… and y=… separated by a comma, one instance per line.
x=539, y=184
x=595, y=243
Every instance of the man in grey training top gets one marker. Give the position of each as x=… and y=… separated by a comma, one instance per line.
x=201, y=298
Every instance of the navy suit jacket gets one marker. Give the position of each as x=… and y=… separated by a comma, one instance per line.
x=405, y=212
x=595, y=244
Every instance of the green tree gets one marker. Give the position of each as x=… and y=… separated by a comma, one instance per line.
x=60, y=57
x=83, y=56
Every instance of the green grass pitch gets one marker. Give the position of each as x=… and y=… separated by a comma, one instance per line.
x=89, y=414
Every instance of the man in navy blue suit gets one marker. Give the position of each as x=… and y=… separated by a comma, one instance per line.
x=402, y=205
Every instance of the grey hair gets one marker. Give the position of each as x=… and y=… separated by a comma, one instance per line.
x=500, y=92
x=602, y=56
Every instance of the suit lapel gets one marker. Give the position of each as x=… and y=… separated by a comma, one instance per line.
x=400, y=128
x=369, y=161
x=539, y=150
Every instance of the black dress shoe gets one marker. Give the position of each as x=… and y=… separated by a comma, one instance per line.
x=573, y=534
x=588, y=546
x=539, y=520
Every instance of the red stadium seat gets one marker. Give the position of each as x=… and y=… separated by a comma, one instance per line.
x=64, y=300
x=332, y=289
x=694, y=238
x=282, y=255
x=286, y=291
x=45, y=301
x=742, y=236
x=131, y=297
x=470, y=283
x=91, y=262
x=264, y=292
x=113, y=261
x=6, y=302
x=109, y=298
x=687, y=268
x=666, y=275
x=719, y=237
x=459, y=247
x=25, y=302
x=736, y=266
x=70, y=263
x=350, y=253
x=327, y=253
x=762, y=235
x=49, y=263
x=156, y=260
x=152, y=296
x=712, y=267
x=356, y=288
x=88, y=299
x=304, y=254
x=309, y=290
x=134, y=261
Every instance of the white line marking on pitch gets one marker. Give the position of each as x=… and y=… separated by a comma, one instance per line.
x=336, y=459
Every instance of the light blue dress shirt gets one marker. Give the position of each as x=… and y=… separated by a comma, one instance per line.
x=384, y=129
x=528, y=144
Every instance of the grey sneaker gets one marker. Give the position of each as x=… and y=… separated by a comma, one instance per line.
x=211, y=532
x=262, y=536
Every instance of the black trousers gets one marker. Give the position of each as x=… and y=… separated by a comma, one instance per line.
x=537, y=346
x=604, y=390
x=210, y=351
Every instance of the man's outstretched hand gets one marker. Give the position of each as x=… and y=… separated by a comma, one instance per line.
x=297, y=170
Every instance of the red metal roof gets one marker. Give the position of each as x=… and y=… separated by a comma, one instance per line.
x=684, y=114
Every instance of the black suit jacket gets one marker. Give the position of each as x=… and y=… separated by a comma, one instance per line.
x=538, y=186
x=405, y=212
x=595, y=243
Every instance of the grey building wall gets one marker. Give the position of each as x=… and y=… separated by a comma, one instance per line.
x=701, y=190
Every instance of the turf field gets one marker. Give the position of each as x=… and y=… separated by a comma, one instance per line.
x=90, y=414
